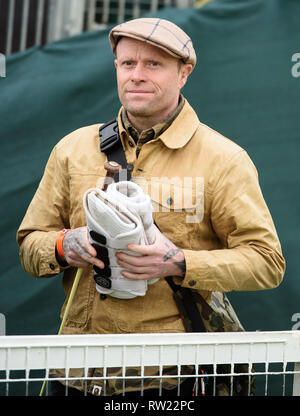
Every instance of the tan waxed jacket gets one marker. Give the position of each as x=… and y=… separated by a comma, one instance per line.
x=206, y=199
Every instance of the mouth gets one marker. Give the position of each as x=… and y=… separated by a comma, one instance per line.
x=139, y=92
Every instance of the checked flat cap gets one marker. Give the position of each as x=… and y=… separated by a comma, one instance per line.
x=158, y=32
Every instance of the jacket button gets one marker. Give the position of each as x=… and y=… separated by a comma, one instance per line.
x=192, y=282
x=51, y=265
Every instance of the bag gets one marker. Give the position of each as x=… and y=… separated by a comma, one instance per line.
x=215, y=315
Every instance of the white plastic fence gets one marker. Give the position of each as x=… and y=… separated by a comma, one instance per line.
x=275, y=356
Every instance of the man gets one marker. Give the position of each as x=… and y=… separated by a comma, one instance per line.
x=216, y=235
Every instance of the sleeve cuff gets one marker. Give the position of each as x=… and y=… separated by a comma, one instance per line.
x=61, y=262
x=51, y=265
x=196, y=270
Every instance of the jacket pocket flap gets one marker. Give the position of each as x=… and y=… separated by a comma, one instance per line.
x=171, y=196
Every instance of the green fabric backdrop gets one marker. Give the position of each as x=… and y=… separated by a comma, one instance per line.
x=242, y=86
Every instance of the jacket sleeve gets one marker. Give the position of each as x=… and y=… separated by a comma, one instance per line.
x=46, y=215
x=251, y=258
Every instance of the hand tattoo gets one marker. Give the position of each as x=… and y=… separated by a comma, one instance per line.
x=76, y=240
x=170, y=254
x=180, y=264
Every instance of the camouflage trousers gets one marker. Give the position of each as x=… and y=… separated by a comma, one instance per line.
x=217, y=315
x=208, y=381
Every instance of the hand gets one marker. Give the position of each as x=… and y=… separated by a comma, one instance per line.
x=77, y=249
x=158, y=260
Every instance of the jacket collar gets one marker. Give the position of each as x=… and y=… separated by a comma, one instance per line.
x=178, y=134
x=182, y=129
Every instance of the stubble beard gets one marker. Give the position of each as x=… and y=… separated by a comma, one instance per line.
x=145, y=111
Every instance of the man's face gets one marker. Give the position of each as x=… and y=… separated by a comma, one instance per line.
x=149, y=79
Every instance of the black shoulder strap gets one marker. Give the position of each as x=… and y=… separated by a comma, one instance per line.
x=111, y=145
x=188, y=309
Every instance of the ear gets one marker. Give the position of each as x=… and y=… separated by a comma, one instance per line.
x=185, y=71
x=116, y=63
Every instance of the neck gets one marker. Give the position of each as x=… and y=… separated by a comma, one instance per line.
x=144, y=122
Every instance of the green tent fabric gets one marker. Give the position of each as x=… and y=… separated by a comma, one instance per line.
x=243, y=86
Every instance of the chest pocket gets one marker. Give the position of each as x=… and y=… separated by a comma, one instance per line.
x=177, y=208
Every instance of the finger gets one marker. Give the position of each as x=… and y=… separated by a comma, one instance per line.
x=132, y=260
x=90, y=250
x=136, y=268
x=90, y=254
x=74, y=260
x=84, y=244
x=141, y=249
x=136, y=276
x=94, y=261
x=79, y=254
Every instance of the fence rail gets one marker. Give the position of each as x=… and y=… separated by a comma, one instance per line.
x=275, y=356
x=26, y=23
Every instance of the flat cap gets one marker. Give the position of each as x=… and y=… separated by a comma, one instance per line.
x=158, y=32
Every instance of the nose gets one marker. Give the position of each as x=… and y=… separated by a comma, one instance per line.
x=138, y=73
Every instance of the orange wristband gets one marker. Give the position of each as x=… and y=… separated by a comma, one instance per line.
x=59, y=242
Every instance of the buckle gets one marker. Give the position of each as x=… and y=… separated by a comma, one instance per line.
x=102, y=281
x=109, y=135
x=96, y=390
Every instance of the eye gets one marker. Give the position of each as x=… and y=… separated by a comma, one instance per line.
x=127, y=64
x=154, y=63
